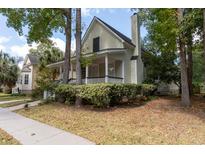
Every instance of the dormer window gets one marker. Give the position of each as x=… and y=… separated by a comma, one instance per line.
x=96, y=44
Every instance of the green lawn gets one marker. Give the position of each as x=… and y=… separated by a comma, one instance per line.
x=8, y=97
x=6, y=139
x=160, y=121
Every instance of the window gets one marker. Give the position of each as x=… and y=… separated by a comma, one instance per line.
x=93, y=70
x=21, y=79
x=96, y=44
x=83, y=72
x=26, y=79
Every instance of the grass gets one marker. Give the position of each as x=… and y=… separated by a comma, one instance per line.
x=160, y=121
x=6, y=139
x=8, y=97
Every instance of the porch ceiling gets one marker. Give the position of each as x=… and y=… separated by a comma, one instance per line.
x=57, y=64
x=103, y=52
x=99, y=55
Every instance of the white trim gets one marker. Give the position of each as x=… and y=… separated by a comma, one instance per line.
x=55, y=64
x=106, y=68
x=123, y=71
x=86, y=74
x=87, y=55
x=71, y=69
x=136, y=71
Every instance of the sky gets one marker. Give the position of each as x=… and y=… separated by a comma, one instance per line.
x=16, y=45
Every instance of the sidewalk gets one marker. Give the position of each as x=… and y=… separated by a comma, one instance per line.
x=18, y=100
x=21, y=106
x=28, y=131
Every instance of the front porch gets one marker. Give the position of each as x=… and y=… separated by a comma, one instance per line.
x=103, y=69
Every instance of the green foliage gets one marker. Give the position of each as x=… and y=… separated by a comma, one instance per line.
x=86, y=61
x=37, y=93
x=160, y=47
x=41, y=22
x=148, y=89
x=160, y=43
x=160, y=66
x=120, y=91
x=198, y=64
x=65, y=92
x=8, y=70
x=45, y=80
x=102, y=94
x=97, y=94
x=47, y=53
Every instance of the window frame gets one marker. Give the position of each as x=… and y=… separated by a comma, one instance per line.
x=96, y=44
x=26, y=79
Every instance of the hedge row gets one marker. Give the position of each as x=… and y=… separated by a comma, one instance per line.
x=102, y=94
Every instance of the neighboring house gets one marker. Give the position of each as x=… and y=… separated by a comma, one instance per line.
x=117, y=58
x=27, y=78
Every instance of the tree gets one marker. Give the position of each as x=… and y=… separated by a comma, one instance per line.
x=47, y=53
x=166, y=29
x=204, y=33
x=8, y=70
x=185, y=99
x=42, y=23
x=78, y=52
x=67, y=13
x=160, y=66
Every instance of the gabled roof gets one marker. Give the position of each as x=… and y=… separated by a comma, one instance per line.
x=110, y=28
x=26, y=69
x=122, y=36
x=33, y=59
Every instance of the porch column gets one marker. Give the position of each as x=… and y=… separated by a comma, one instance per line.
x=106, y=68
x=86, y=74
x=61, y=76
x=123, y=71
x=71, y=69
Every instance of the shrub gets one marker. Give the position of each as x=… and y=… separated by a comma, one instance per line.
x=196, y=87
x=103, y=94
x=97, y=94
x=127, y=92
x=65, y=92
x=37, y=93
x=148, y=89
x=18, y=94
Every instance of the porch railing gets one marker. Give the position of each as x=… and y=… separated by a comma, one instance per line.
x=100, y=79
x=113, y=79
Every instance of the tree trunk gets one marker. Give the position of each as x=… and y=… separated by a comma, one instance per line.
x=204, y=35
x=185, y=98
x=190, y=64
x=66, y=67
x=78, y=101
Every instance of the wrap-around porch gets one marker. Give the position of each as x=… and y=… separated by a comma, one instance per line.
x=103, y=69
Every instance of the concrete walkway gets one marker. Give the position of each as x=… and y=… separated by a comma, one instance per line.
x=21, y=106
x=28, y=131
x=12, y=101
